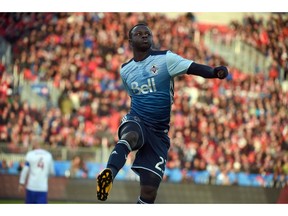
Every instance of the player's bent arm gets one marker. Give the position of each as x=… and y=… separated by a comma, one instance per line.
x=206, y=71
x=23, y=175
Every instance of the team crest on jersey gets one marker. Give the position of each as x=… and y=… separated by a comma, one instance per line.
x=154, y=69
x=136, y=118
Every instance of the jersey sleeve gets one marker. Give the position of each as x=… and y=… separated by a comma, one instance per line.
x=24, y=171
x=176, y=64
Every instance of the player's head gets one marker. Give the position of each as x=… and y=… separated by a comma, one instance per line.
x=140, y=37
x=135, y=26
x=36, y=142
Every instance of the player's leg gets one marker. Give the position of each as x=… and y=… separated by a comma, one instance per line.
x=149, y=186
x=30, y=197
x=130, y=138
x=42, y=197
x=149, y=164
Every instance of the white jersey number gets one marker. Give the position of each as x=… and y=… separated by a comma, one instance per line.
x=40, y=163
x=162, y=161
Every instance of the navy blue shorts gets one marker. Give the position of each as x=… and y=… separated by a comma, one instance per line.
x=36, y=197
x=152, y=155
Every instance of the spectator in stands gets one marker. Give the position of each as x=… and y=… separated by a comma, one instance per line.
x=21, y=166
x=223, y=178
x=65, y=103
x=4, y=167
x=2, y=69
x=280, y=181
x=78, y=168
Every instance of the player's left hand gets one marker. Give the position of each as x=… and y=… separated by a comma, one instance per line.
x=221, y=72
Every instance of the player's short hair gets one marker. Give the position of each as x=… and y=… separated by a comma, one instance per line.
x=139, y=24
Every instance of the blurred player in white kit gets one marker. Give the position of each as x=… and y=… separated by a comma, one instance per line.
x=39, y=165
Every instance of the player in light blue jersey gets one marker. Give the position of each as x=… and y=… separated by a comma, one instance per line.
x=148, y=79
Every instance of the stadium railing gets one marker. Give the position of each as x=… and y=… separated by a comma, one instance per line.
x=95, y=162
x=237, y=53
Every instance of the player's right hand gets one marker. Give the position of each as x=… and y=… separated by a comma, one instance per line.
x=21, y=188
x=221, y=72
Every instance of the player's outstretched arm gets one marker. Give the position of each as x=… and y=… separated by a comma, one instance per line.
x=205, y=71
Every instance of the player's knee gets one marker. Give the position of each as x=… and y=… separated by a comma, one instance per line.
x=148, y=193
x=132, y=137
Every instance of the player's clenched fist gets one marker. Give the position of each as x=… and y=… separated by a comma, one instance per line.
x=221, y=72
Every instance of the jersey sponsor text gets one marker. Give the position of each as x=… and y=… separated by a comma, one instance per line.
x=145, y=88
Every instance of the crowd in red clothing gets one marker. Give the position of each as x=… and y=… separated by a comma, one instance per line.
x=269, y=36
x=238, y=124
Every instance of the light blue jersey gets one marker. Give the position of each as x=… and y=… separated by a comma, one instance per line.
x=150, y=85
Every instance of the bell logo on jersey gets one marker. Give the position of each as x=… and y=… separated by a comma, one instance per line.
x=145, y=88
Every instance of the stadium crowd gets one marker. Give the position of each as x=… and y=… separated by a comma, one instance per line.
x=239, y=124
x=270, y=37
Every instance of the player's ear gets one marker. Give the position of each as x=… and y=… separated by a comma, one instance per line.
x=130, y=42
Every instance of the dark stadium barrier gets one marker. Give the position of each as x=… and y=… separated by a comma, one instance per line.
x=71, y=190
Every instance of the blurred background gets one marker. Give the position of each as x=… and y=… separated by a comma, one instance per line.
x=60, y=81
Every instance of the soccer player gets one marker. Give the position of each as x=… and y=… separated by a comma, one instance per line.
x=39, y=164
x=148, y=79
